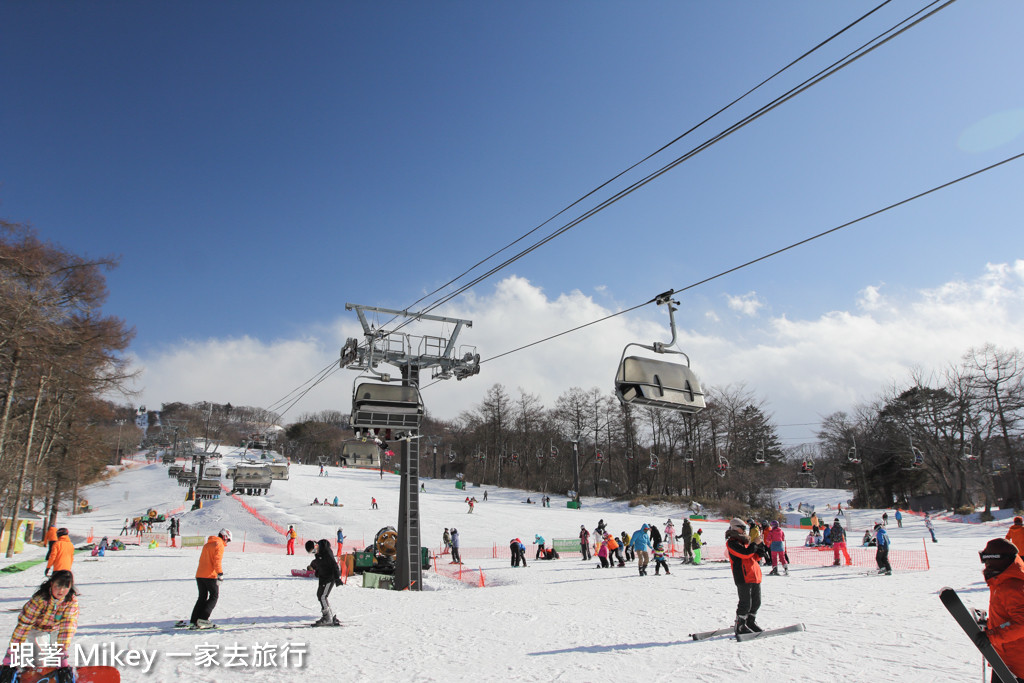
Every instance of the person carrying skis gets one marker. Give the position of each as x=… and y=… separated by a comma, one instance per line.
x=1004, y=628
x=328, y=576
x=1015, y=534
x=584, y=542
x=291, y=535
x=882, y=549
x=62, y=555
x=839, y=543
x=776, y=540
x=746, y=574
x=53, y=608
x=208, y=578
x=687, y=536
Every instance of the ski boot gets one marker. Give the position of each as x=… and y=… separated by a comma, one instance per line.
x=741, y=625
x=65, y=674
x=202, y=625
x=752, y=624
x=774, y=572
x=336, y=621
x=785, y=570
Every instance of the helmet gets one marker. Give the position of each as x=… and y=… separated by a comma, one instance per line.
x=775, y=524
x=225, y=534
x=310, y=546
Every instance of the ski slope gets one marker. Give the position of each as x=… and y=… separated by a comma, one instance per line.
x=561, y=620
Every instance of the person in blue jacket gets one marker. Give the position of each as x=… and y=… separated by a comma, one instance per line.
x=539, y=540
x=882, y=549
x=640, y=542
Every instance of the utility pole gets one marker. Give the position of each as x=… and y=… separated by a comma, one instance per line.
x=410, y=354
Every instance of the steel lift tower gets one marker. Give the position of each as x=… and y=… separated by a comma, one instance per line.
x=378, y=406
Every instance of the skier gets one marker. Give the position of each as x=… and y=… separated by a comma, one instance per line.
x=291, y=535
x=655, y=535
x=687, y=536
x=885, y=519
x=62, y=555
x=776, y=539
x=513, y=549
x=341, y=541
x=931, y=528
x=839, y=543
x=456, y=557
x=614, y=551
x=600, y=530
x=899, y=518
x=124, y=529
x=746, y=574
x=697, y=544
x=52, y=608
x=208, y=578
x=174, y=532
x=447, y=538
x=373, y=503
x=659, y=559
x=485, y=495
x=584, y=542
x=882, y=549
x=670, y=534
x=640, y=542
x=539, y=541
x=328, y=576
x=1015, y=534
x=626, y=550
x=602, y=551
x=1004, y=574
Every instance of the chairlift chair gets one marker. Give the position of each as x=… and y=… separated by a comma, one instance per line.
x=722, y=468
x=851, y=455
x=688, y=455
x=386, y=406
x=659, y=383
x=916, y=457
x=967, y=452
x=759, y=458
x=654, y=462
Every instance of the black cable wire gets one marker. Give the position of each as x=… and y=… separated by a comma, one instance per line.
x=650, y=156
x=831, y=70
x=760, y=258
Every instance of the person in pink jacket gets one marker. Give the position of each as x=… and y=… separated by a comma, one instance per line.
x=776, y=540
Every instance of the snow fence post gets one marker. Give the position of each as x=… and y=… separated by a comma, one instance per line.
x=481, y=570
x=927, y=564
x=243, y=541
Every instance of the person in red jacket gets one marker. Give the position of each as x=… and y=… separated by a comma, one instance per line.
x=208, y=578
x=746, y=574
x=1015, y=534
x=291, y=535
x=1004, y=574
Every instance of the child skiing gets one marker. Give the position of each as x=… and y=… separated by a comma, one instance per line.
x=328, y=575
x=52, y=608
x=659, y=559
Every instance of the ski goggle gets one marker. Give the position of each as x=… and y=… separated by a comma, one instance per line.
x=990, y=557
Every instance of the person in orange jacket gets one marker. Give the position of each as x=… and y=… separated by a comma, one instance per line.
x=62, y=553
x=291, y=535
x=1004, y=574
x=208, y=578
x=49, y=539
x=1015, y=534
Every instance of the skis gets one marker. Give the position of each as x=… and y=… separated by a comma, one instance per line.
x=768, y=633
x=743, y=637
x=952, y=602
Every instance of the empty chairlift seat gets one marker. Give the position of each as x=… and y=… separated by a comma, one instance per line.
x=658, y=383
x=386, y=406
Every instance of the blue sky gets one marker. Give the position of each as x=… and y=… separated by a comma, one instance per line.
x=256, y=165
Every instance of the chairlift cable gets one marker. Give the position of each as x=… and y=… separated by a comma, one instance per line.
x=760, y=258
x=830, y=70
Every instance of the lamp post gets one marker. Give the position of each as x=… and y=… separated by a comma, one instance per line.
x=117, y=455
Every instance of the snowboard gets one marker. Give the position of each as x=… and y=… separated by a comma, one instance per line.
x=952, y=602
x=83, y=674
x=306, y=573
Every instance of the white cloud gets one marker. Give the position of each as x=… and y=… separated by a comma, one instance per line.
x=804, y=368
x=748, y=304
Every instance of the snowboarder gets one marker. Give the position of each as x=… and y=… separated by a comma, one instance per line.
x=124, y=529
x=328, y=576
x=341, y=541
x=584, y=542
x=746, y=574
x=291, y=535
x=776, y=539
x=899, y=518
x=1015, y=534
x=373, y=503
x=485, y=495
x=208, y=578
x=1004, y=628
x=882, y=549
x=62, y=555
x=53, y=608
x=687, y=536
x=885, y=519
x=931, y=528
x=173, y=530
x=697, y=543
x=336, y=501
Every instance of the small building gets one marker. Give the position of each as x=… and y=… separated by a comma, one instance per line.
x=27, y=523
